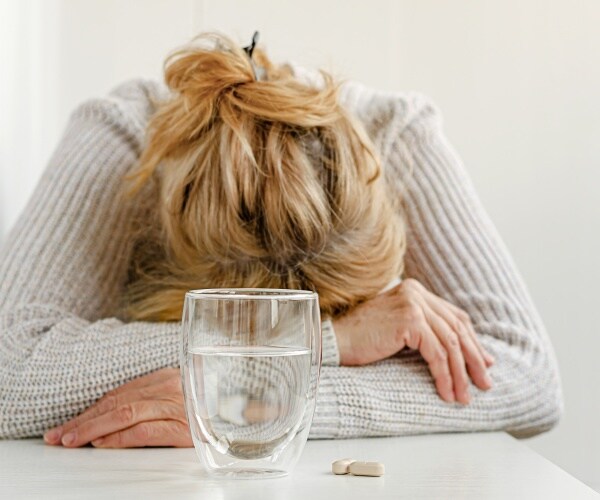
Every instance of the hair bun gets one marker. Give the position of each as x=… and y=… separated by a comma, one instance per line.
x=208, y=67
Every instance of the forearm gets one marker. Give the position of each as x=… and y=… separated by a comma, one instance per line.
x=48, y=378
x=397, y=396
x=54, y=365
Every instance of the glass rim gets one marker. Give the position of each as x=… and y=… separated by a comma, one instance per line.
x=250, y=294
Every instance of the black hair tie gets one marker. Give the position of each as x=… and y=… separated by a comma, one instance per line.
x=259, y=73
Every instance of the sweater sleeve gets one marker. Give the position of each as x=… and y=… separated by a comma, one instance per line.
x=454, y=250
x=61, y=268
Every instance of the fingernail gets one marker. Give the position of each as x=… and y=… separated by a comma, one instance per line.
x=451, y=398
x=53, y=435
x=97, y=442
x=487, y=379
x=68, y=438
x=466, y=398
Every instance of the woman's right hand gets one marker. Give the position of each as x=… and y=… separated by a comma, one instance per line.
x=409, y=315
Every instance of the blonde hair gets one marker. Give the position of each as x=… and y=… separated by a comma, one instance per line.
x=267, y=183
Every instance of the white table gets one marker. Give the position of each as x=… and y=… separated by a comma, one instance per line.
x=448, y=466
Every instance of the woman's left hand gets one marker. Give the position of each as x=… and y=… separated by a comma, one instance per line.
x=148, y=411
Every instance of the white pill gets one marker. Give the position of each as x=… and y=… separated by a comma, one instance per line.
x=366, y=469
x=341, y=466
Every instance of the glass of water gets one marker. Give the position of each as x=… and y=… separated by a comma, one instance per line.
x=250, y=363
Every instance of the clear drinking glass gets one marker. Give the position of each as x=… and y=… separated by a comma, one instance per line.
x=250, y=363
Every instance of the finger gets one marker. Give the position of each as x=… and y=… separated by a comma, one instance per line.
x=475, y=362
x=456, y=361
x=119, y=419
x=465, y=318
x=435, y=355
x=53, y=436
x=152, y=433
x=134, y=390
x=107, y=403
x=489, y=359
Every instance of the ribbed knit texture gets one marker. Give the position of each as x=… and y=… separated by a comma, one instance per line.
x=64, y=265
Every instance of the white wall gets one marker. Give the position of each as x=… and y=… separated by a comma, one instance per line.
x=518, y=81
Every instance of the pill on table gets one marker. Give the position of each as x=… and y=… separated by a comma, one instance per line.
x=341, y=466
x=366, y=469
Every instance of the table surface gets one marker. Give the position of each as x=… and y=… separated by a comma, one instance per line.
x=456, y=466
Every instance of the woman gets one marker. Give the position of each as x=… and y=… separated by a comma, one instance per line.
x=242, y=173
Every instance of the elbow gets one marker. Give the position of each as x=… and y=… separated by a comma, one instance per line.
x=19, y=413
x=540, y=422
x=546, y=401
x=8, y=415
x=556, y=406
x=16, y=423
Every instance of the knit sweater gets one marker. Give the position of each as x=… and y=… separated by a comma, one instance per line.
x=63, y=267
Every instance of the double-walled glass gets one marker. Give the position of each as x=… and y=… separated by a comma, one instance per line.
x=250, y=363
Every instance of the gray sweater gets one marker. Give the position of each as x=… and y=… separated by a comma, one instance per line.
x=64, y=265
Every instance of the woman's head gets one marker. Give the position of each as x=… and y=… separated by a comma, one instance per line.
x=266, y=183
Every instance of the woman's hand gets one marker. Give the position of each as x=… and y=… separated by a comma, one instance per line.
x=409, y=315
x=148, y=411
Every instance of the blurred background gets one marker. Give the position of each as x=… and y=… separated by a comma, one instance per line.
x=518, y=82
